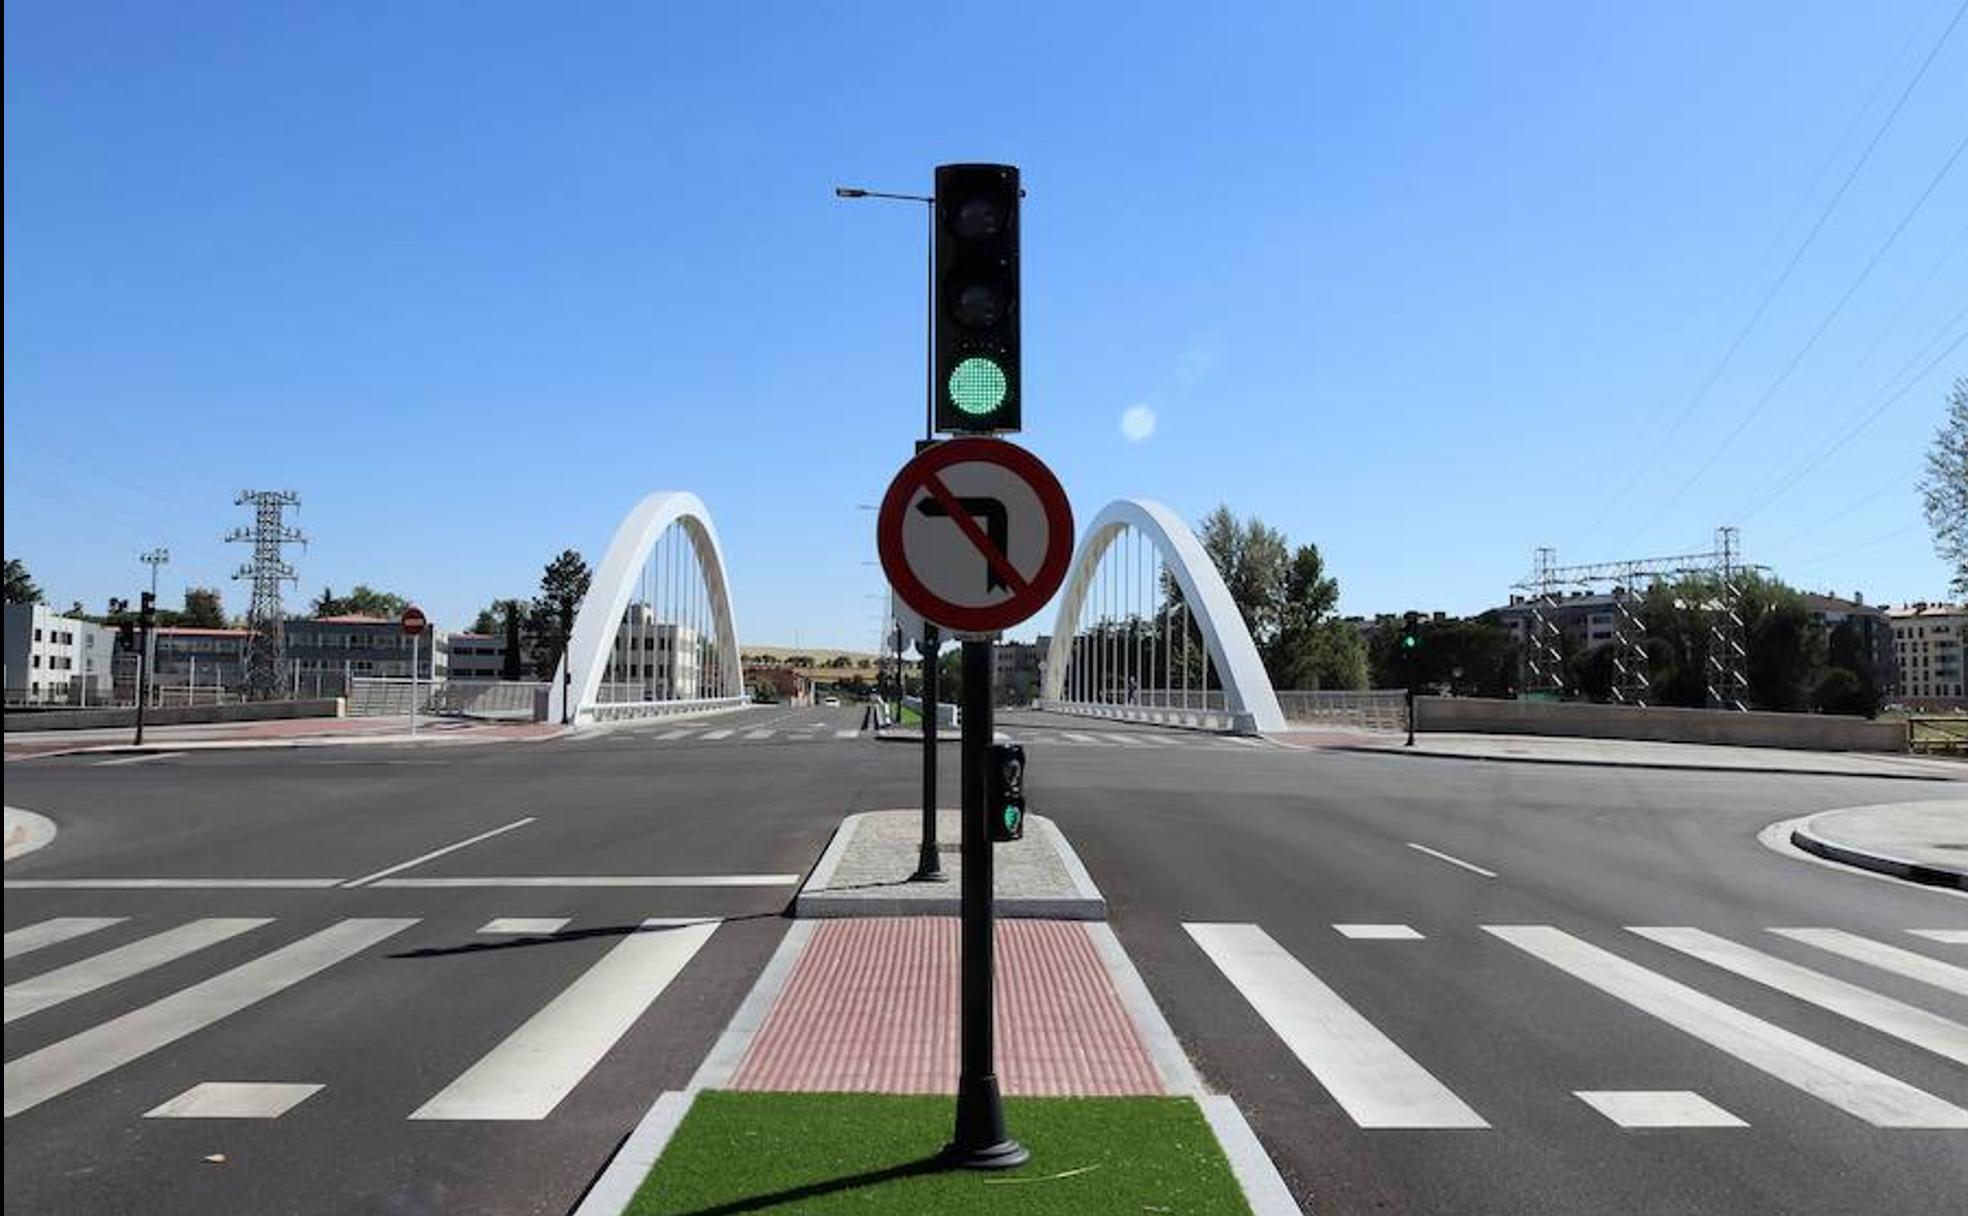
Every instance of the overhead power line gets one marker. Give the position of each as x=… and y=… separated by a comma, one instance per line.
x=1810, y=343
x=1783, y=277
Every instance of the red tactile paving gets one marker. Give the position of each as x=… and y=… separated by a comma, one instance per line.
x=871, y=1007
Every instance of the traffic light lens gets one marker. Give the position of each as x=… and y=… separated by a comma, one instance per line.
x=978, y=219
x=1408, y=643
x=980, y=304
x=1011, y=814
x=977, y=386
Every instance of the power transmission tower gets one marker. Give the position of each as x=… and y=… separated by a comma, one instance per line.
x=1728, y=657
x=266, y=650
x=1546, y=668
x=1630, y=683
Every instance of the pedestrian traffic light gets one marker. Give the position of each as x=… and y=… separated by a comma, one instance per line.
x=976, y=309
x=1411, y=632
x=148, y=609
x=1004, y=791
x=126, y=635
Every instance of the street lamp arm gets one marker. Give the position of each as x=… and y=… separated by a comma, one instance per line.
x=858, y=192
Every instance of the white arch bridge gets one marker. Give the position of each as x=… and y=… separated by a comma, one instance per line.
x=655, y=635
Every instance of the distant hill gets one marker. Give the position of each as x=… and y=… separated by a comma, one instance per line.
x=821, y=656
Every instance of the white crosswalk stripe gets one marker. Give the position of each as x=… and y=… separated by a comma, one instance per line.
x=539, y=1064
x=61, y=1066
x=1376, y=1082
x=1824, y=1074
x=54, y=932
x=99, y=971
x=1888, y=958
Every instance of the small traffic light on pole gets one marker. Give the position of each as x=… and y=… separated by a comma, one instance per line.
x=1004, y=786
x=1410, y=646
x=976, y=307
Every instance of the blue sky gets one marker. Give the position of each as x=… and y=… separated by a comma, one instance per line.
x=1428, y=284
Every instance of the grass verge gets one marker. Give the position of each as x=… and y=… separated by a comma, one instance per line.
x=877, y=1153
x=905, y=716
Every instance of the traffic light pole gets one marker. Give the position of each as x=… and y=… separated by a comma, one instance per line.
x=929, y=867
x=143, y=681
x=981, y=1141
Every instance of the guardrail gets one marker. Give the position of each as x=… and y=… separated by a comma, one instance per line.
x=1947, y=735
x=623, y=711
x=1218, y=719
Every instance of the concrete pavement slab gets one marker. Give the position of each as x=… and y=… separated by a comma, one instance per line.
x=865, y=872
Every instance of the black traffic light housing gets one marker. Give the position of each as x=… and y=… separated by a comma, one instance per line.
x=1004, y=791
x=147, y=612
x=1411, y=632
x=977, y=358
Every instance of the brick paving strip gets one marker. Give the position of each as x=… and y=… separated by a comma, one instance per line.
x=871, y=1007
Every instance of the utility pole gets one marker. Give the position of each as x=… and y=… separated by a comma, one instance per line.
x=266, y=649
x=929, y=866
x=147, y=646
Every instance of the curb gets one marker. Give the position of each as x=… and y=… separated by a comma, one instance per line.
x=814, y=902
x=273, y=744
x=1667, y=765
x=1913, y=871
x=26, y=832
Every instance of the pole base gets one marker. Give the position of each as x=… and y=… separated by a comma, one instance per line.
x=1004, y=1155
x=929, y=866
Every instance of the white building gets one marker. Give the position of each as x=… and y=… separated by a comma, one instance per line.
x=652, y=660
x=56, y=658
x=1928, y=649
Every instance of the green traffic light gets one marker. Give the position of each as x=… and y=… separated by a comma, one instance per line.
x=1409, y=642
x=977, y=386
x=1011, y=814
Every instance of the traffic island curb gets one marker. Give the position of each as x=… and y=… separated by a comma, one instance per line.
x=1812, y=840
x=866, y=870
x=26, y=832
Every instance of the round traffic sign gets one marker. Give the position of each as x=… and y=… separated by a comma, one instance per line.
x=975, y=534
x=414, y=620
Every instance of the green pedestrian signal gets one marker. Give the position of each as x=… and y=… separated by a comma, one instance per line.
x=977, y=386
x=1004, y=779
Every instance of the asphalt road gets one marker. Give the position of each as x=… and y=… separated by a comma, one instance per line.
x=1226, y=867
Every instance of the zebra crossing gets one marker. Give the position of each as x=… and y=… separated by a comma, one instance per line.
x=531, y=1069
x=1379, y=1084
x=1137, y=741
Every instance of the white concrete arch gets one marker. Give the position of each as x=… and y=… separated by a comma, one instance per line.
x=609, y=592
x=1253, y=705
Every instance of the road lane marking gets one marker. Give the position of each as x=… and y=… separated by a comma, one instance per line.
x=101, y=970
x=1376, y=1082
x=1076, y=737
x=1384, y=933
x=524, y=924
x=1657, y=1108
x=436, y=853
x=53, y=932
x=169, y=884
x=847, y=734
x=1947, y=937
x=1886, y=958
x=61, y=1066
x=1454, y=861
x=717, y=734
x=1123, y=740
x=540, y=1063
x=234, y=1100
x=1796, y=1061
x=599, y=880
x=671, y=735
x=1884, y=1014
x=146, y=758
x=760, y=734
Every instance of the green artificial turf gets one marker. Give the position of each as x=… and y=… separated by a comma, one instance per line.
x=904, y=716
x=876, y=1153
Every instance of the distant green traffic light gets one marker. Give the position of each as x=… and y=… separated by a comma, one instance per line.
x=977, y=386
x=1409, y=642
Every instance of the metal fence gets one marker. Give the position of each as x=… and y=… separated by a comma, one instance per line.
x=1381, y=709
x=1946, y=735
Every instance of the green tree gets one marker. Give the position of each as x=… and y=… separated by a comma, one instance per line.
x=563, y=586
x=1253, y=562
x=20, y=586
x=1943, y=488
x=487, y=620
x=363, y=601
x=202, y=609
x=511, y=668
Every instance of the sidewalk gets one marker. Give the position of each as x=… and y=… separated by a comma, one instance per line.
x=1925, y=842
x=283, y=732
x=1628, y=753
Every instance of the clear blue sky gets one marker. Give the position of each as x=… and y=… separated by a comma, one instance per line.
x=1429, y=284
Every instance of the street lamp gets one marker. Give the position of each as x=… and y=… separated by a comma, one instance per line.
x=929, y=298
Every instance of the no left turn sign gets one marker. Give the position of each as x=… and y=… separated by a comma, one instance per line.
x=975, y=534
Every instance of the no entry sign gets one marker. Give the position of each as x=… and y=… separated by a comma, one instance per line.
x=975, y=534
x=414, y=620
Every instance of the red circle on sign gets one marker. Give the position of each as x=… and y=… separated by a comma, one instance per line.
x=414, y=620
x=1037, y=589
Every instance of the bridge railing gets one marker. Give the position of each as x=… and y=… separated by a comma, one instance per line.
x=1380, y=709
x=1202, y=710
